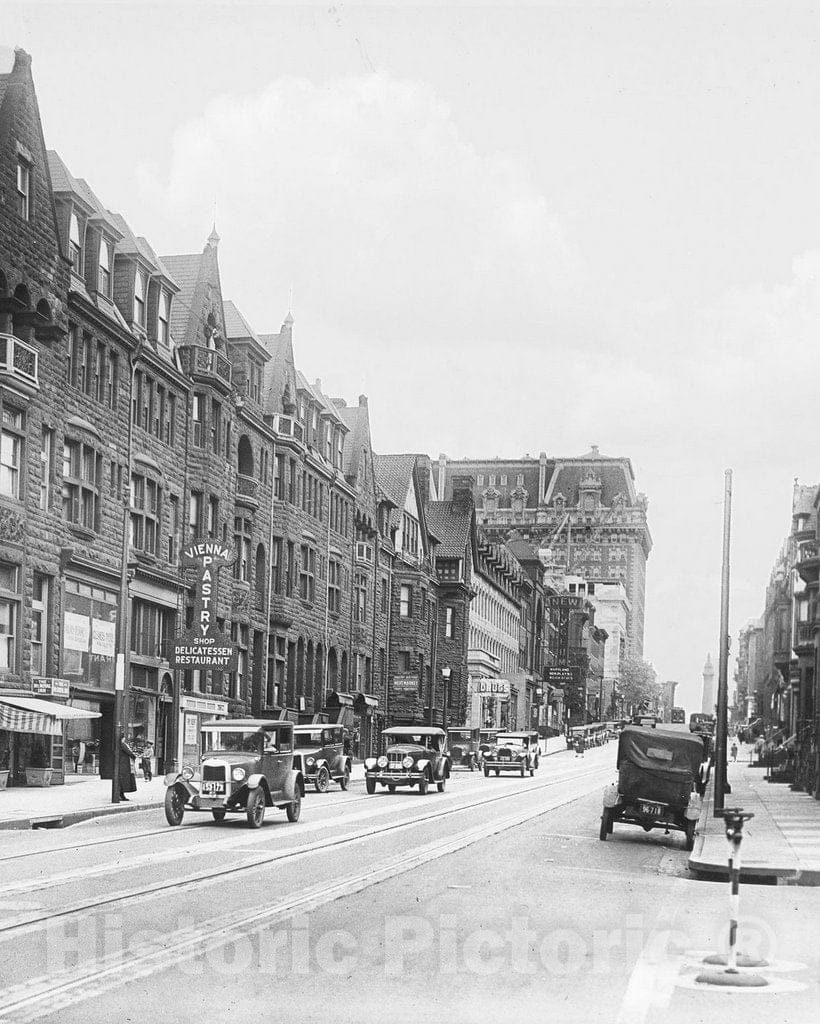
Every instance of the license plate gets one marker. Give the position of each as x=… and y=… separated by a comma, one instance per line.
x=651, y=810
x=213, y=788
x=504, y=757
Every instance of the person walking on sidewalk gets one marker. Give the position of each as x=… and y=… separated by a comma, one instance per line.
x=733, y=750
x=128, y=781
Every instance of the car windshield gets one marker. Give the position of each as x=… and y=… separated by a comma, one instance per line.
x=462, y=734
x=308, y=739
x=509, y=737
x=232, y=740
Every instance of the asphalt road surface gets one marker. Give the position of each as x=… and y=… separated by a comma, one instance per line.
x=494, y=898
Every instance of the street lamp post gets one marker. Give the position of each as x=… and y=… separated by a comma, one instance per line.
x=124, y=619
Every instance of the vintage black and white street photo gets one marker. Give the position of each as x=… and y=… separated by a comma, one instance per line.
x=409, y=511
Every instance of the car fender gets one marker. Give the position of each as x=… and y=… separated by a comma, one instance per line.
x=611, y=795
x=422, y=764
x=294, y=783
x=255, y=780
x=178, y=780
x=370, y=764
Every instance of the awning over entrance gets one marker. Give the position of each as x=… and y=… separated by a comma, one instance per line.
x=27, y=714
x=337, y=700
x=364, y=702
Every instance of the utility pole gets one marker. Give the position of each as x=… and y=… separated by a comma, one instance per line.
x=723, y=661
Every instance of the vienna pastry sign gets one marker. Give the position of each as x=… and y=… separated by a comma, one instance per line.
x=204, y=646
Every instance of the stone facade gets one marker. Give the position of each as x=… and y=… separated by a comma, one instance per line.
x=585, y=510
x=140, y=412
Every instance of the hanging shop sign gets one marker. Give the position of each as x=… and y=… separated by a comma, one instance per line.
x=204, y=646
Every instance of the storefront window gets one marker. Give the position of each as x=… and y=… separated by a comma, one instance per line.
x=89, y=635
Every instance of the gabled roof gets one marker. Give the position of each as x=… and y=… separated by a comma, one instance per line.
x=135, y=245
x=185, y=270
x=236, y=326
x=280, y=372
x=394, y=474
x=356, y=420
x=315, y=392
x=452, y=524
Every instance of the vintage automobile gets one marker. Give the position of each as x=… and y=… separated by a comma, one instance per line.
x=658, y=782
x=464, y=747
x=319, y=755
x=513, y=752
x=246, y=766
x=486, y=741
x=416, y=755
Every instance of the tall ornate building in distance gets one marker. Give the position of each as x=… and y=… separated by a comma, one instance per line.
x=585, y=509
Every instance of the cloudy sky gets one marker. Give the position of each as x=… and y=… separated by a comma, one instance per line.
x=515, y=227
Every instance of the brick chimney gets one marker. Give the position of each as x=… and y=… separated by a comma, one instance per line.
x=463, y=491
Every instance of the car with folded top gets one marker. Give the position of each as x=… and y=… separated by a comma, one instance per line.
x=513, y=752
x=415, y=756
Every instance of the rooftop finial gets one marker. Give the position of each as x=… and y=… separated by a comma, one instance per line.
x=213, y=238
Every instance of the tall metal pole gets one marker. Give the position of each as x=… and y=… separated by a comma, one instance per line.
x=723, y=662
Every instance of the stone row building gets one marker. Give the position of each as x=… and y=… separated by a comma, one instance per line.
x=776, y=674
x=141, y=412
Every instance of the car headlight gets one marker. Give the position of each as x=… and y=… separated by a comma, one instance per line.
x=309, y=761
x=382, y=762
x=407, y=762
x=187, y=772
x=238, y=774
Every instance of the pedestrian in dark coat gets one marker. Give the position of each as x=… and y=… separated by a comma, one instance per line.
x=128, y=782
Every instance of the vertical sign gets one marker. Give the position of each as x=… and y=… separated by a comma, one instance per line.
x=204, y=646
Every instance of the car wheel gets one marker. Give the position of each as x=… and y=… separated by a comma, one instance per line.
x=523, y=769
x=473, y=764
x=497, y=772
x=441, y=784
x=294, y=808
x=370, y=785
x=322, y=782
x=606, y=824
x=344, y=781
x=690, y=834
x=423, y=785
x=218, y=813
x=486, y=772
x=174, y=805
x=255, y=807
x=532, y=772
x=537, y=763
x=391, y=788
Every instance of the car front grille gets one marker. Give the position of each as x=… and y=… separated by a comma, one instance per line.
x=214, y=772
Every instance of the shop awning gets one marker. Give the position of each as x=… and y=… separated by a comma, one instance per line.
x=336, y=699
x=366, y=700
x=28, y=714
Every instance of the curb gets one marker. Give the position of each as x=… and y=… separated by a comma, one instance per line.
x=68, y=818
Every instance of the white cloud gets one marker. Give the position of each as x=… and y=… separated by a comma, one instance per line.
x=363, y=195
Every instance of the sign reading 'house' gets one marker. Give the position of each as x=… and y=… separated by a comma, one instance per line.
x=204, y=645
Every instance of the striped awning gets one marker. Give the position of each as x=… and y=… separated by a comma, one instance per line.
x=28, y=714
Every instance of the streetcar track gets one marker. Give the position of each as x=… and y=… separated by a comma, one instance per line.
x=21, y=925
x=39, y=997
x=211, y=845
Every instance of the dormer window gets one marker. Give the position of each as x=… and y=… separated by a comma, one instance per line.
x=104, y=268
x=164, y=318
x=23, y=188
x=75, y=247
x=139, y=299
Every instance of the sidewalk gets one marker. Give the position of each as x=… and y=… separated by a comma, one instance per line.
x=80, y=798
x=781, y=842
